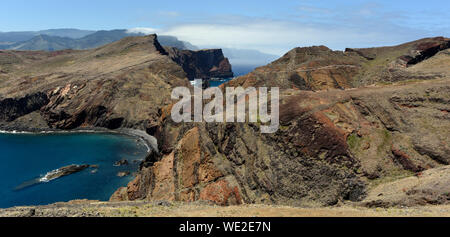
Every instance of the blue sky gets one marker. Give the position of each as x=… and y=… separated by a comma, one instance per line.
x=269, y=26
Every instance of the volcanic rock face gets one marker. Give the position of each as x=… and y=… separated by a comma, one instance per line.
x=10, y=108
x=338, y=137
x=188, y=174
x=332, y=145
x=209, y=63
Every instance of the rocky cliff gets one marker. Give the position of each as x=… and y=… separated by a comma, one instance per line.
x=207, y=63
x=122, y=84
x=90, y=88
x=333, y=145
x=350, y=121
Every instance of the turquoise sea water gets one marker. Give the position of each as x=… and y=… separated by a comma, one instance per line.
x=218, y=82
x=26, y=157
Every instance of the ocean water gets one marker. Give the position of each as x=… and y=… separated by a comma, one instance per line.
x=238, y=70
x=241, y=70
x=219, y=82
x=25, y=158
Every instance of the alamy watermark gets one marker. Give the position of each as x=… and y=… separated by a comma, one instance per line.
x=236, y=100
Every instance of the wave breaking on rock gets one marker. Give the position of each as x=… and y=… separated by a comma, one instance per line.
x=52, y=175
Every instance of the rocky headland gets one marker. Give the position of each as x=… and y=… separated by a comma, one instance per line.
x=354, y=124
x=202, y=64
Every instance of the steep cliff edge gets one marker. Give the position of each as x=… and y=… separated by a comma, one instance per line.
x=207, y=63
x=90, y=88
x=332, y=146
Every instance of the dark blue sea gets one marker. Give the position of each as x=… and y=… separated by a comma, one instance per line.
x=24, y=158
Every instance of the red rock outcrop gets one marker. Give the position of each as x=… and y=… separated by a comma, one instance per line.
x=330, y=145
x=188, y=174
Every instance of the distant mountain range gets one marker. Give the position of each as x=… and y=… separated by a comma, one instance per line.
x=19, y=36
x=243, y=60
x=51, y=40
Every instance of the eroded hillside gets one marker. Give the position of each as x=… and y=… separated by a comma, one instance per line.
x=350, y=121
x=318, y=67
x=333, y=145
x=122, y=84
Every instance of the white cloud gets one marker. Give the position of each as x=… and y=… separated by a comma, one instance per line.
x=277, y=37
x=368, y=25
x=144, y=30
x=268, y=37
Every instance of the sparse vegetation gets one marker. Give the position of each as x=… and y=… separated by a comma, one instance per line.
x=392, y=176
x=353, y=141
x=385, y=142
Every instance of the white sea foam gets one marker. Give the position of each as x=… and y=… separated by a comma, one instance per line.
x=45, y=178
x=14, y=132
x=142, y=140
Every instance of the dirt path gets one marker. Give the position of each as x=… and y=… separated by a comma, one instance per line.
x=165, y=209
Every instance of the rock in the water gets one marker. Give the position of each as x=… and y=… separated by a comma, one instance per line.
x=121, y=162
x=63, y=171
x=123, y=173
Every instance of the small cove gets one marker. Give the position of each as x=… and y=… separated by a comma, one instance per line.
x=28, y=157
